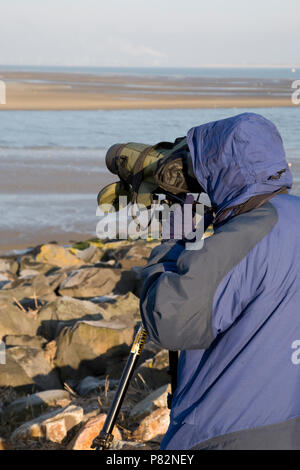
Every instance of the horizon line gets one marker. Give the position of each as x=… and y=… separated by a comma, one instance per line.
x=248, y=66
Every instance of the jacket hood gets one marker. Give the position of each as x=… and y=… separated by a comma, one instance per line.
x=234, y=158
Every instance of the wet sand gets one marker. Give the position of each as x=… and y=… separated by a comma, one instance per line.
x=74, y=91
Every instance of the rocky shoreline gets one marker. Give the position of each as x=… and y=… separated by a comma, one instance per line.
x=68, y=316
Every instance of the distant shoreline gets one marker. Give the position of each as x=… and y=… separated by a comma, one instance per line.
x=21, y=244
x=36, y=90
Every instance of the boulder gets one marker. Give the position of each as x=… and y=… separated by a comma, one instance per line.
x=87, y=347
x=53, y=426
x=91, y=255
x=150, y=350
x=127, y=305
x=14, y=321
x=25, y=407
x=135, y=254
x=66, y=311
x=50, y=351
x=129, y=445
x=90, y=282
x=56, y=277
x=8, y=264
x=25, y=340
x=28, y=262
x=154, y=371
x=39, y=286
x=154, y=426
x=6, y=279
x=13, y=375
x=84, y=439
x=156, y=399
x=3, y=444
x=28, y=368
x=28, y=273
x=57, y=255
x=91, y=384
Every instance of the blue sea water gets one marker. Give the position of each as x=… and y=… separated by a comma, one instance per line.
x=64, y=131
x=172, y=72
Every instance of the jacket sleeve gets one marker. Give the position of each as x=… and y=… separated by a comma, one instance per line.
x=189, y=297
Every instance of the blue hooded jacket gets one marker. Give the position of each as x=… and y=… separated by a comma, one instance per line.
x=231, y=308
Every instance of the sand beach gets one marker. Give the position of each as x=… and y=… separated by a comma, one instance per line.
x=35, y=90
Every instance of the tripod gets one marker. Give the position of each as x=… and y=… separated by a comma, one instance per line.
x=104, y=440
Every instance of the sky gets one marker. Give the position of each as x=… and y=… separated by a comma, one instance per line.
x=150, y=33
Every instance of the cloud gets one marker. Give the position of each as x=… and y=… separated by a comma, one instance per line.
x=142, y=50
x=135, y=53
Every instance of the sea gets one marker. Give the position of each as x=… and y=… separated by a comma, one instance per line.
x=52, y=162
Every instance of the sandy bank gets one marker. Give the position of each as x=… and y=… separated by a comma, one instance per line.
x=62, y=91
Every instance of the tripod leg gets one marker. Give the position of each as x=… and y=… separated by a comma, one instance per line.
x=105, y=438
x=173, y=360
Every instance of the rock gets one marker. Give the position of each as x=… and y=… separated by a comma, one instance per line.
x=6, y=280
x=3, y=444
x=55, y=278
x=154, y=371
x=84, y=439
x=135, y=254
x=53, y=426
x=29, y=263
x=86, y=348
x=14, y=321
x=90, y=384
x=56, y=431
x=154, y=426
x=150, y=350
x=13, y=375
x=27, y=367
x=50, y=351
x=39, y=286
x=92, y=254
x=129, y=445
x=90, y=282
x=127, y=305
x=8, y=264
x=57, y=255
x=25, y=340
x=66, y=311
x=25, y=407
x=156, y=399
x=28, y=273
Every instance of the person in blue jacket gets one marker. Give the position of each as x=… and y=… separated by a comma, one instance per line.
x=232, y=308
